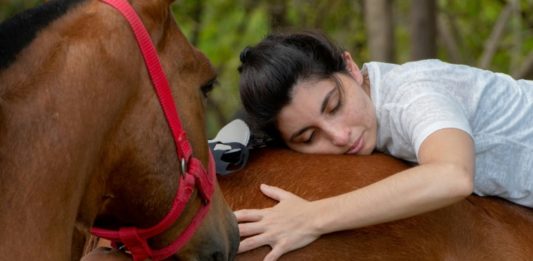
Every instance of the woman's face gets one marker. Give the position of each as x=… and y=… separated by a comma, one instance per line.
x=330, y=116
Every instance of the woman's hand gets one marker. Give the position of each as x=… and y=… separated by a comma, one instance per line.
x=106, y=254
x=285, y=227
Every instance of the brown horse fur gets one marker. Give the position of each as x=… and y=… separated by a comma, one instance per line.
x=83, y=139
x=478, y=228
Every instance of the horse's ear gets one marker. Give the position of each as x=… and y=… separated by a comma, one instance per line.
x=154, y=15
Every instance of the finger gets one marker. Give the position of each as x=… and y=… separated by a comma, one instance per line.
x=253, y=242
x=248, y=215
x=275, y=192
x=106, y=254
x=274, y=254
x=250, y=229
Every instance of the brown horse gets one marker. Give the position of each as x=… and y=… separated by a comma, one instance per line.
x=474, y=229
x=83, y=139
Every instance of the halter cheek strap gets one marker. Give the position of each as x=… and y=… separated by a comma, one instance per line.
x=194, y=174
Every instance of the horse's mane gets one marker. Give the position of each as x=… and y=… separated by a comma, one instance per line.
x=20, y=30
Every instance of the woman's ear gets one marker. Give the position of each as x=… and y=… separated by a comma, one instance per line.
x=352, y=68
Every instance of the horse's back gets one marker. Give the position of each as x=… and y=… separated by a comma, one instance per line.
x=475, y=228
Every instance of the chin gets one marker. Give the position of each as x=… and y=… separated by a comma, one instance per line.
x=366, y=151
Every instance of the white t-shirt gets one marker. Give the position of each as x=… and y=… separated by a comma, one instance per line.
x=415, y=99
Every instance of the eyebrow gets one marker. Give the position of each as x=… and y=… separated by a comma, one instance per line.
x=322, y=110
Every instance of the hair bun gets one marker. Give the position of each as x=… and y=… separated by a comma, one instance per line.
x=244, y=54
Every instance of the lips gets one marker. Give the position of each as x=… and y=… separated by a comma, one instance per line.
x=357, y=146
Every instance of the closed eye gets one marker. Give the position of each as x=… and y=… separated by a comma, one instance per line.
x=332, y=103
x=310, y=139
x=337, y=105
x=337, y=97
x=208, y=87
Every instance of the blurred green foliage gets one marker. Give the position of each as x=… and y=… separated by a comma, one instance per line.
x=10, y=7
x=222, y=28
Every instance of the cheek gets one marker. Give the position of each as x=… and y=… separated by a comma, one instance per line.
x=362, y=113
x=370, y=114
x=328, y=148
x=301, y=149
x=354, y=117
x=316, y=147
x=323, y=146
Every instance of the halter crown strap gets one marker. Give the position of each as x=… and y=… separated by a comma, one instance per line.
x=157, y=76
x=135, y=239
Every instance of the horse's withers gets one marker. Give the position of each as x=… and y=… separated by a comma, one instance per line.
x=114, y=162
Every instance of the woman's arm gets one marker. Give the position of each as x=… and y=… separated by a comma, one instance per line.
x=444, y=176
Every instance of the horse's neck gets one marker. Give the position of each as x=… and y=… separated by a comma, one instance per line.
x=53, y=114
x=57, y=108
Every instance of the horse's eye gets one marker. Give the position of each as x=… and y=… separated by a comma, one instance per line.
x=208, y=87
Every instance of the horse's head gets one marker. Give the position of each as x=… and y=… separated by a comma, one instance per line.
x=121, y=169
x=143, y=166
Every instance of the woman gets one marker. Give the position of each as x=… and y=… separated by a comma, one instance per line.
x=469, y=130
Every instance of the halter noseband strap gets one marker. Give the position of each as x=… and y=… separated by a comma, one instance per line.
x=194, y=174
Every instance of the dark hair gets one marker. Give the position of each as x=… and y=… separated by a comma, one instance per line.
x=270, y=69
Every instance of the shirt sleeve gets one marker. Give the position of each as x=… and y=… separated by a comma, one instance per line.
x=427, y=112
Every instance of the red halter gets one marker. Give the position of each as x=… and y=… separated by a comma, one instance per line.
x=193, y=173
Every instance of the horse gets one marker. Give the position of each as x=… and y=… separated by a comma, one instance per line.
x=477, y=228
x=84, y=141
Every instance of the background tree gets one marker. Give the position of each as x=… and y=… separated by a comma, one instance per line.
x=380, y=29
x=492, y=34
x=423, y=29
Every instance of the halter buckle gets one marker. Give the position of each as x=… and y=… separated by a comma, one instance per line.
x=183, y=165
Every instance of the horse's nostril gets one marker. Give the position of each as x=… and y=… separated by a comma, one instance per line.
x=219, y=256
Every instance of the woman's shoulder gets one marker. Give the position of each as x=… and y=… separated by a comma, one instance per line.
x=407, y=66
x=421, y=68
x=428, y=69
x=422, y=76
x=394, y=82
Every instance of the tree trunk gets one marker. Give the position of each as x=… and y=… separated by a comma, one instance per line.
x=197, y=17
x=277, y=10
x=449, y=37
x=525, y=71
x=380, y=29
x=423, y=29
x=491, y=45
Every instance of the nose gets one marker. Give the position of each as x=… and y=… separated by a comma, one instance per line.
x=339, y=136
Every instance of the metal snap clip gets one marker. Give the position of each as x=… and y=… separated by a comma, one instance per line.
x=183, y=166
